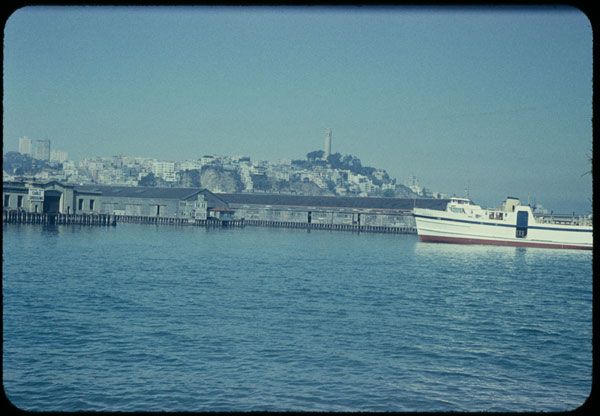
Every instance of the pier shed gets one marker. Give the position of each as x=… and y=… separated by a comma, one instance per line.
x=49, y=197
x=185, y=203
x=382, y=212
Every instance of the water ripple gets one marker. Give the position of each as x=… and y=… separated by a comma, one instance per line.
x=185, y=319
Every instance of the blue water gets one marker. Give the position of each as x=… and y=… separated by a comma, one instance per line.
x=167, y=318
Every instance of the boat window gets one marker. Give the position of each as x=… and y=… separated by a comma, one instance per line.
x=457, y=210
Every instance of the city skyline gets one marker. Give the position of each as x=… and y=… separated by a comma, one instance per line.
x=170, y=170
x=493, y=100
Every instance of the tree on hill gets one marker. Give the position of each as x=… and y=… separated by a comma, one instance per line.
x=190, y=178
x=17, y=163
x=335, y=160
x=316, y=155
x=261, y=182
x=303, y=164
x=148, y=180
x=353, y=163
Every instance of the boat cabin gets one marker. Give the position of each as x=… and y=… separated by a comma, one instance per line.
x=510, y=204
x=457, y=205
x=465, y=206
x=457, y=200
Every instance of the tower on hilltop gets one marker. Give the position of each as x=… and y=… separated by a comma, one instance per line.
x=327, y=148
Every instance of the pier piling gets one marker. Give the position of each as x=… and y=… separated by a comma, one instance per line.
x=21, y=217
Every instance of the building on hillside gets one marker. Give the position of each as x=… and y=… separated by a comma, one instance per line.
x=59, y=156
x=164, y=170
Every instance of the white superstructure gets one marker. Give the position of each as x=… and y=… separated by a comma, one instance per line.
x=513, y=225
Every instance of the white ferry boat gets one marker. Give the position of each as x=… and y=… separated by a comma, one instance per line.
x=511, y=225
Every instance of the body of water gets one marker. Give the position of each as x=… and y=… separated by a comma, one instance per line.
x=166, y=318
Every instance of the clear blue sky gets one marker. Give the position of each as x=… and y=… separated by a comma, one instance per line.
x=497, y=100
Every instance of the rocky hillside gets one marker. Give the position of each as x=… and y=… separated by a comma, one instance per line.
x=218, y=180
x=214, y=179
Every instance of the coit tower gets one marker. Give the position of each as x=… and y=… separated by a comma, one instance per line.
x=327, y=143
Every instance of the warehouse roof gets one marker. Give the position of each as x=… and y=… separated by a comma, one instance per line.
x=181, y=194
x=256, y=198
x=333, y=201
x=25, y=185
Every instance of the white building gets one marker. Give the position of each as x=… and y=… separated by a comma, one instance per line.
x=207, y=159
x=69, y=167
x=246, y=177
x=190, y=165
x=356, y=178
x=92, y=164
x=164, y=170
x=58, y=156
x=319, y=182
x=258, y=170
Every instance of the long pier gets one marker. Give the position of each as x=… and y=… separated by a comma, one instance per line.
x=333, y=227
x=238, y=223
x=22, y=217
x=146, y=219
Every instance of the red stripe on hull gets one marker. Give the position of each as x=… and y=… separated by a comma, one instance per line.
x=457, y=240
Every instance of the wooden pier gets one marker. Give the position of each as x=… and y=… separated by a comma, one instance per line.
x=22, y=217
x=333, y=227
x=239, y=223
x=144, y=219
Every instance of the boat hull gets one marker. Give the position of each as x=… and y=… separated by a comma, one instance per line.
x=467, y=240
x=444, y=227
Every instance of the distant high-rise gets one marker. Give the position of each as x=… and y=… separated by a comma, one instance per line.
x=327, y=143
x=41, y=150
x=25, y=146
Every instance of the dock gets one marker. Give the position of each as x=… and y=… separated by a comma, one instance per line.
x=333, y=227
x=23, y=217
x=53, y=202
x=240, y=223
